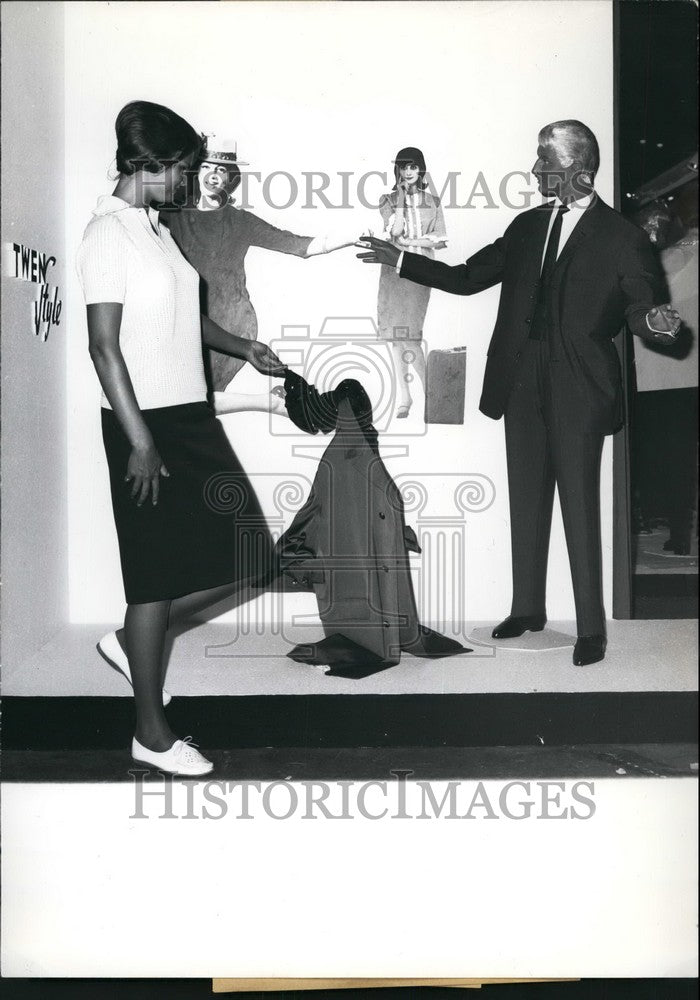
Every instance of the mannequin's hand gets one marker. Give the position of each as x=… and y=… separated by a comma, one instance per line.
x=380, y=252
x=664, y=323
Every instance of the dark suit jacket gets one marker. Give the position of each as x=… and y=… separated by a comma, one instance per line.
x=607, y=274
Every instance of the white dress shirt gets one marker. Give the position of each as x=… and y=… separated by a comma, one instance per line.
x=569, y=222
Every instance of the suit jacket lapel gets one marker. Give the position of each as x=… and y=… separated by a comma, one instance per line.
x=584, y=227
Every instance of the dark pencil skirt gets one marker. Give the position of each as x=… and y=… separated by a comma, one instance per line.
x=208, y=528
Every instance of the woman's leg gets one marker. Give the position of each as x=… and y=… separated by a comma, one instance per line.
x=184, y=608
x=401, y=353
x=181, y=609
x=145, y=626
x=419, y=360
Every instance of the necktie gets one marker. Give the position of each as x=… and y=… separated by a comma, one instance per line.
x=538, y=329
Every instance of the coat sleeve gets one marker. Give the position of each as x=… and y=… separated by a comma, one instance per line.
x=481, y=271
x=296, y=551
x=641, y=281
x=302, y=551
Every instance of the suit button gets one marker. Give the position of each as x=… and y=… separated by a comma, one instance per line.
x=383, y=516
x=385, y=568
x=528, y=321
x=386, y=624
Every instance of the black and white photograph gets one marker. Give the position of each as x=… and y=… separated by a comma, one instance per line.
x=349, y=489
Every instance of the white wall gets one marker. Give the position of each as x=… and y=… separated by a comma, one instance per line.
x=336, y=87
x=34, y=549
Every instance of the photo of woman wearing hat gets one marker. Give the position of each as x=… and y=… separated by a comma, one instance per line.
x=215, y=239
x=182, y=549
x=413, y=220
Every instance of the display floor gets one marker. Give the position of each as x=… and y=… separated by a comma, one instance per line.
x=210, y=659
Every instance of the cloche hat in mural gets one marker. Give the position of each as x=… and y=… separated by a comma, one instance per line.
x=410, y=154
x=224, y=151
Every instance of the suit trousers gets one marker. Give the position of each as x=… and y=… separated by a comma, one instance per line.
x=546, y=447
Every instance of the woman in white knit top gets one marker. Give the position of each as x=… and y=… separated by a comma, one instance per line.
x=183, y=547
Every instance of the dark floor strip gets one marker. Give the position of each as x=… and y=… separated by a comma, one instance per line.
x=319, y=721
x=369, y=763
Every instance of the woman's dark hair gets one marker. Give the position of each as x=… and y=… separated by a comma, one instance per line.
x=150, y=136
x=410, y=154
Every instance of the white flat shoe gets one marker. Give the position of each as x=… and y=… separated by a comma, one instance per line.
x=109, y=649
x=181, y=758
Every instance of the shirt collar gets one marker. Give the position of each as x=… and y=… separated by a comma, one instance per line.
x=108, y=204
x=580, y=203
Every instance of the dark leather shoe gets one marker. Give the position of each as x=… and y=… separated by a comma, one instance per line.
x=513, y=626
x=678, y=548
x=589, y=649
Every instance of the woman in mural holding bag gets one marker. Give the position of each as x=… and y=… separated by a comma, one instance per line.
x=182, y=549
x=413, y=220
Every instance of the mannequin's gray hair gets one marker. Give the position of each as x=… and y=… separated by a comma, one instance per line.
x=575, y=140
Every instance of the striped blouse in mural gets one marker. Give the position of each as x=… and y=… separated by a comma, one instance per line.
x=422, y=218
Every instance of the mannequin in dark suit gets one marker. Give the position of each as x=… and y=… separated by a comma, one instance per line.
x=569, y=285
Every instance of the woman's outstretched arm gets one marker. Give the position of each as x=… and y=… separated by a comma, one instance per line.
x=258, y=354
x=329, y=243
x=269, y=237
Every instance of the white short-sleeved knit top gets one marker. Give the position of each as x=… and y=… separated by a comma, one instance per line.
x=126, y=256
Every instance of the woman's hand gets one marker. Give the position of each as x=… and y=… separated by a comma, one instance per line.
x=144, y=469
x=329, y=243
x=264, y=359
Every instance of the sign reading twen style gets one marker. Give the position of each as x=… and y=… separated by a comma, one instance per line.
x=31, y=265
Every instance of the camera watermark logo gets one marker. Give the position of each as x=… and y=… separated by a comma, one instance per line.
x=350, y=347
